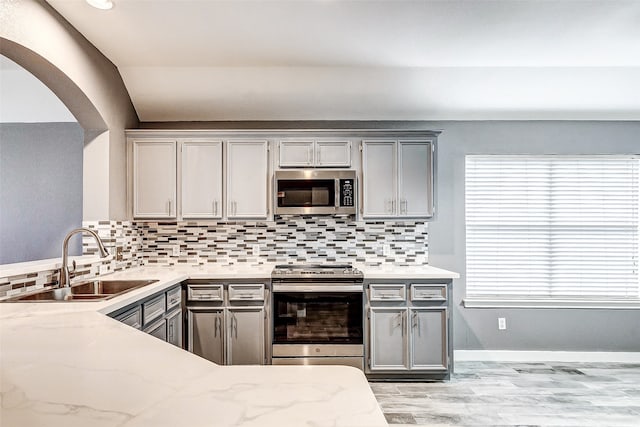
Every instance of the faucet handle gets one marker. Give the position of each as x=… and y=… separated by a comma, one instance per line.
x=73, y=265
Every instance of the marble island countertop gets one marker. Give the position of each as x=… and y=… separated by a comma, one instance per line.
x=67, y=364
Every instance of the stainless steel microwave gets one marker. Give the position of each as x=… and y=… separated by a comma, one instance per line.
x=315, y=192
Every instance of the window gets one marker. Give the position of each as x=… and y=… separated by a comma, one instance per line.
x=552, y=230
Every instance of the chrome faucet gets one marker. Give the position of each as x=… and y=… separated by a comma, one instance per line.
x=64, y=271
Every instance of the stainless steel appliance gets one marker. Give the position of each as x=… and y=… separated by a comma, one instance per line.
x=313, y=191
x=317, y=315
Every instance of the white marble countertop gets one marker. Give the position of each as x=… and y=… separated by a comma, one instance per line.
x=392, y=271
x=67, y=364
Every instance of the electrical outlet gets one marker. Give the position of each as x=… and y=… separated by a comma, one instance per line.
x=386, y=249
x=255, y=250
x=176, y=250
x=104, y=269
x=502, y=323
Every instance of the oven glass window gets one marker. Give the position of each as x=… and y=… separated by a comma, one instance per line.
x=306, y=193
x=317, y=318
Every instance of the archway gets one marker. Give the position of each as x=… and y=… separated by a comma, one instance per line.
x=41, y=189
x=60, y=84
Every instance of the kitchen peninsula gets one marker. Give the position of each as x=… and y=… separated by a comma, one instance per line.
x=67, y=364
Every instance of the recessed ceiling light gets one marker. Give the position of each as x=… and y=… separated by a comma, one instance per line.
x=101, y=4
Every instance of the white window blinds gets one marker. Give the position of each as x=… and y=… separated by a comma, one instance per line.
x=552, y=227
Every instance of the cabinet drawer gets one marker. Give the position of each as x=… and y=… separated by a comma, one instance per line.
x=428, y=292
x=131, y=317
x=174, y=297
x=246, y=292
x=387, y=292
x=205, y=293
x=153, y=309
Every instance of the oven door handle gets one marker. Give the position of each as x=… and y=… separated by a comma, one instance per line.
x=306, y=287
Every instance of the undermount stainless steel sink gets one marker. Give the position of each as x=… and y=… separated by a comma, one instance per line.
x=85, y=291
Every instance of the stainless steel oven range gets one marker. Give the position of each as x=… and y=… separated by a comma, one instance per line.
x=317, y=315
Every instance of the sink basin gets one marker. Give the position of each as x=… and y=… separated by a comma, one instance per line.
x=108, y=287
x=95, y=290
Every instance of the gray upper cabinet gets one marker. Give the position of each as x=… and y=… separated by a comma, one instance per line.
x=379, y=174
x=296, y=154
x=201, y=169
x=415, y=179
x=335, y=154
x=314, y=153
x=398, y=178
x=247, y=179
x=154, y=179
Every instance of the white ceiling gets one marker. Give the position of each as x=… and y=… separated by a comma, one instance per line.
x=371, y=60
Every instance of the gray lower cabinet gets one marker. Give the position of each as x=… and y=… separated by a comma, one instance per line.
x=157, y=329
x=226, y=322
x=131, y=317
x=409, y=330
x=387, y=338
x=428, y=338
x=174, y=328
x=246, y=335
x=206, y=333
x=159, y=315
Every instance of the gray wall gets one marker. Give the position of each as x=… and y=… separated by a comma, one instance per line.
x=40, y=189
x=527, y=329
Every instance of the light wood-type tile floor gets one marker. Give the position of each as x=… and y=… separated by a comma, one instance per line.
x=518, y=394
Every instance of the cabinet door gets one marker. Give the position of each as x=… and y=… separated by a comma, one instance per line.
x=387, y=339
x=131, y=317
x=246, y=335
x=415, y=185
x=247, y=179
x=379, y=179
x=158, y=330
x=174, y=328
x=296, y=154
x=333, y=154
x=202, y=179
x=154, y=179
x=206, y=333
x=428, y=338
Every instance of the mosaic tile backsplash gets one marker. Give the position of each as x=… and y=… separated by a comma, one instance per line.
x=291, y=239
x=286, y=240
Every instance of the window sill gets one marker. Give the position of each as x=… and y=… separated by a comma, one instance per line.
x=555, y=303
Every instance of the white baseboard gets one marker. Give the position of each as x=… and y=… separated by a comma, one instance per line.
x=546, y=356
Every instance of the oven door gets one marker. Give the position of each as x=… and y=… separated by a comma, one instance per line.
x=313, y=314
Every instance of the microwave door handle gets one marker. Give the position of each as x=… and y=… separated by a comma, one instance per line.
x=337, y=194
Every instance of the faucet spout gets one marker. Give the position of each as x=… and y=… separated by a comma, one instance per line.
x=64, y=270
